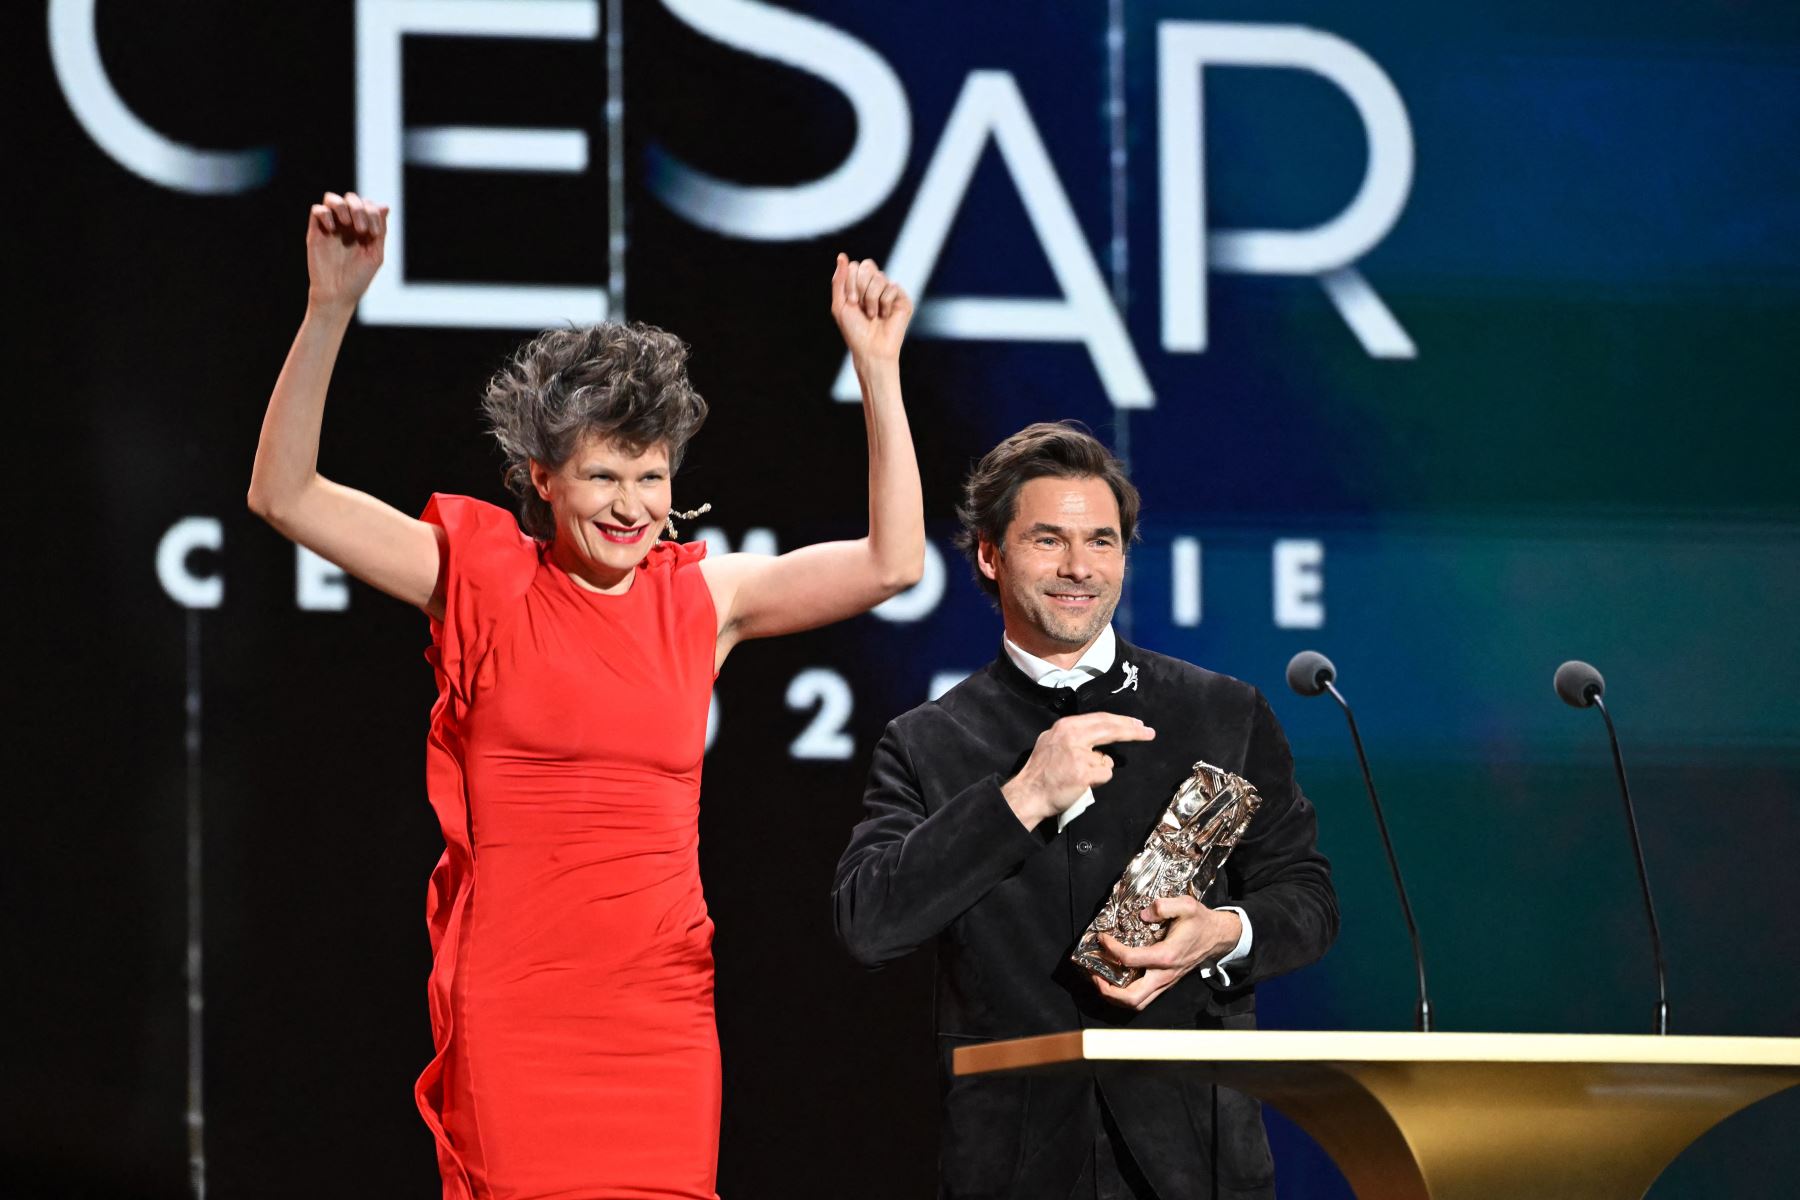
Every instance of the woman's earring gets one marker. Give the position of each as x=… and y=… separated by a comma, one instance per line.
x=669, y=524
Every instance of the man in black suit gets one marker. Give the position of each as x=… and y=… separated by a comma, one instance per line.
x=996, y=824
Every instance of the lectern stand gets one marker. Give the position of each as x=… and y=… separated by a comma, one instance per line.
x=1461, y=1116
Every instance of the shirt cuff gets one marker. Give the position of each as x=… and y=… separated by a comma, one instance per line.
x=1217, y=972
x=1082, y=803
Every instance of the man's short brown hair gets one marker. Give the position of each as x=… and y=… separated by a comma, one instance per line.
x=1055, y=449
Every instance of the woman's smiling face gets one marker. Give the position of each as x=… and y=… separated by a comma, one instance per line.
x=610, y=507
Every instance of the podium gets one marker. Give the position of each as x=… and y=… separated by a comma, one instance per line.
x=1460, y=1116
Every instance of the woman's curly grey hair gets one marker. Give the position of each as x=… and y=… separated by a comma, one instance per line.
x=624, y=382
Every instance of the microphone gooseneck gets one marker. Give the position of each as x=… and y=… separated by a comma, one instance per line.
x=1310, y=673
x=1581, y=686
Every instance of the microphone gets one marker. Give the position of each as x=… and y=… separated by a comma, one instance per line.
x=1310, y=673
x=1581, y=686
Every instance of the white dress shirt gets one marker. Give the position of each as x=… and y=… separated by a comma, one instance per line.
x=1094, y=662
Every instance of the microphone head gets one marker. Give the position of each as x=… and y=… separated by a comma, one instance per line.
x=1578, y=683
x=1309, y=671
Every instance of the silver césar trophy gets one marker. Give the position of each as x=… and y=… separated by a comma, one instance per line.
x=1183, y=855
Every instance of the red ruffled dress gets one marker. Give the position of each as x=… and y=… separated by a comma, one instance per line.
x=572, y=978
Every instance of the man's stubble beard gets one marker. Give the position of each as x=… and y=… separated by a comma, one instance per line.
x=1067, y=630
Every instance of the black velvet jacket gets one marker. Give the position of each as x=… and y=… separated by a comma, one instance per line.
x=941, y=855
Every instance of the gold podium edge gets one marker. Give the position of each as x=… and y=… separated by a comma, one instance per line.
x=1460, y=1116
x=1322, y=1046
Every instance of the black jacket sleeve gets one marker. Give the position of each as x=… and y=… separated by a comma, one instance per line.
x=1276, y=874
x=912, y=868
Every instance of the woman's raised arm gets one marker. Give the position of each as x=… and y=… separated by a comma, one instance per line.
x=372, y=540
x=759, y=596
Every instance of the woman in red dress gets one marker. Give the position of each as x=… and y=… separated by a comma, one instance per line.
x=575, y=651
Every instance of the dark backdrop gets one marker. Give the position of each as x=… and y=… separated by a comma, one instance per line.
x=1579, y=444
